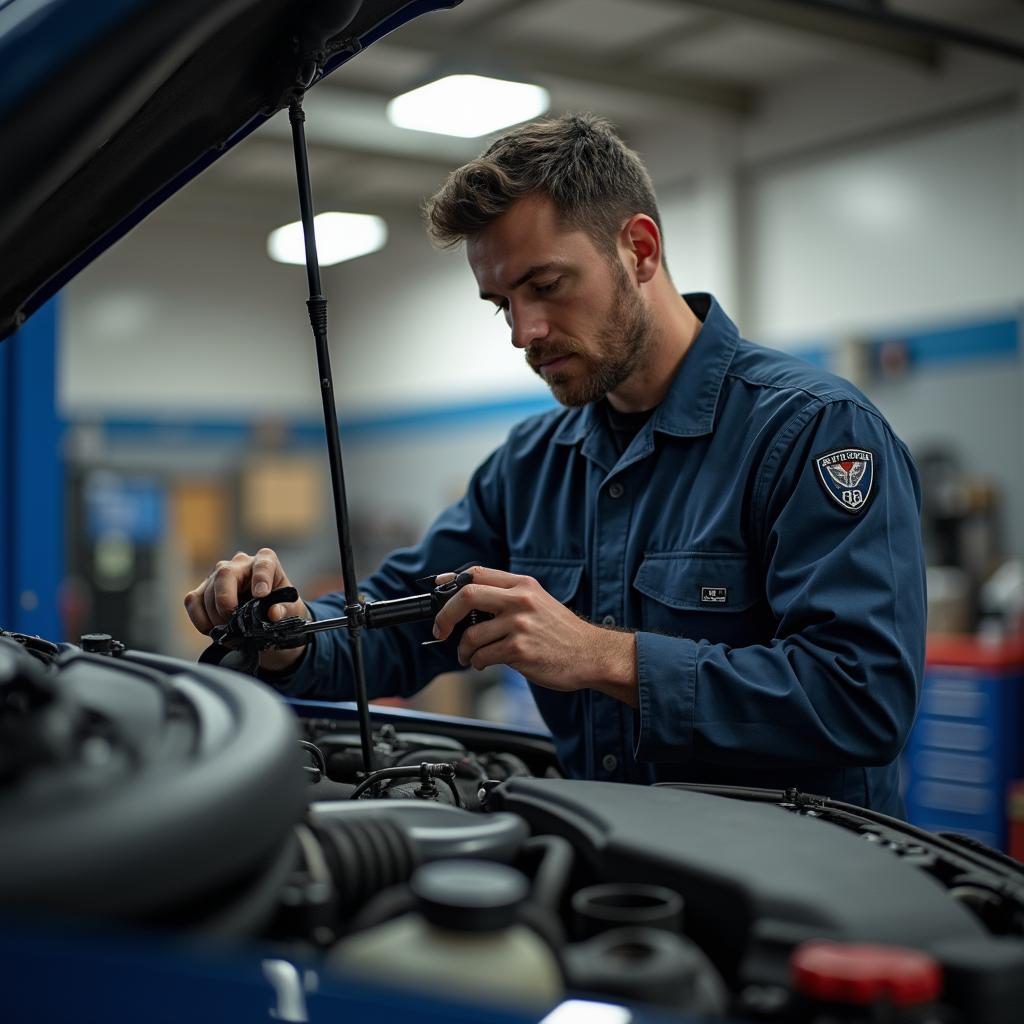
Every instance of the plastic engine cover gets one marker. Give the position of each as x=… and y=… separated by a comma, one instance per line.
x=756, y=878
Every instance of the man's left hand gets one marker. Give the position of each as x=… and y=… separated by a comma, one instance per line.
x=538, y=636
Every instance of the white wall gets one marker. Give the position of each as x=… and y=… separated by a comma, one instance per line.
x=411, y=330
x=187, y=315
x=898, y=231
x=848, y=202
x=884, y=229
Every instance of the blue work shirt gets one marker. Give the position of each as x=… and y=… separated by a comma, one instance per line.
x=760, y=534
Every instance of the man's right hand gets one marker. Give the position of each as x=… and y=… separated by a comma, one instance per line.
x=212, y=602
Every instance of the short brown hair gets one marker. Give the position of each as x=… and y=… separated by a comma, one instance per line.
x=595, y=181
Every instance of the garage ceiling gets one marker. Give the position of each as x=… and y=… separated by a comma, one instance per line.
x=635, y=61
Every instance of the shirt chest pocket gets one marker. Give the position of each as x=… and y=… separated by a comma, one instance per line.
x=703, y=596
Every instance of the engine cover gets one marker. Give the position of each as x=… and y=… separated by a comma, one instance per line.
x=757, y=879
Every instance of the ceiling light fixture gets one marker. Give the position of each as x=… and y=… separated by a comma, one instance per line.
x=467, y=105
x=339, y=237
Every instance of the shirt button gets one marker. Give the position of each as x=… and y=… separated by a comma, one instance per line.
x=609, y=762
x=608, y=620
x=616, y=490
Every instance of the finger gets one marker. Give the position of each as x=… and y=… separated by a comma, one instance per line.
x=482, y=594
x=196, y=610
x=472, y=596
x=210, y=597
x=479, y=636
x=283, y=610
x=494, y=577
x=498, y=653
x=223, y=590
x=445, y=577
x=267, y=573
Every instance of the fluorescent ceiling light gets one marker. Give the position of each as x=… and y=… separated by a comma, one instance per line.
x=339, y=237
x=467, y=105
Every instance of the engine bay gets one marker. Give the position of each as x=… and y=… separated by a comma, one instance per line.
x=146, y=792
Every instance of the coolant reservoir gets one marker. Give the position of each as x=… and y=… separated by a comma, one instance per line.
x=464, y=939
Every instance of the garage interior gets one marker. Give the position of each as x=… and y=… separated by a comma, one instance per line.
x=848, y=184
x=846, y=177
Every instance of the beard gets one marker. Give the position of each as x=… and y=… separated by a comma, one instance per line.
x=621, y=347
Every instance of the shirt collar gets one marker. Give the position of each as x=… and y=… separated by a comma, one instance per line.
x=688, y=409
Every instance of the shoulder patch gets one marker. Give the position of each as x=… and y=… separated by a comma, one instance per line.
x=848, y=476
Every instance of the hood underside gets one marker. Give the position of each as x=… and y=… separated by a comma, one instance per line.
x=105, y=113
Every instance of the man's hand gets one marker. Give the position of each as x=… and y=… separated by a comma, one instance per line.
x=538, y=636
x=212, y=602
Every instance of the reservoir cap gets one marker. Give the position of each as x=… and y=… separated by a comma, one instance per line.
x=861, y=973
x=469, y=895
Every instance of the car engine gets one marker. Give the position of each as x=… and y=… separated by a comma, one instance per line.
x=141, y=791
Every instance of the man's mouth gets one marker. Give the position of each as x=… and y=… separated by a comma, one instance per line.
x=550, y=365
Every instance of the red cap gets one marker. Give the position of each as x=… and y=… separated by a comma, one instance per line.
x=860, y=973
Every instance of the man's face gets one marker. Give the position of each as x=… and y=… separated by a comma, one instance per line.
x=573, y=309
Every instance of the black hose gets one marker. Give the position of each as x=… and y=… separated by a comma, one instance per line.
x=552, y=875
x=465, y=767
x=436, y=830
x=403, y=772
x=455, y=792
x=424, y=771
x=365, y=857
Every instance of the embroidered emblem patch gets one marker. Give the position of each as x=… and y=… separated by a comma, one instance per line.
x=713, y=595
x=847, y=475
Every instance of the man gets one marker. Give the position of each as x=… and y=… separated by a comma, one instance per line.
x=708, y=564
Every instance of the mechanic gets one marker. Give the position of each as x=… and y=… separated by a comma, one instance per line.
x=708, y=563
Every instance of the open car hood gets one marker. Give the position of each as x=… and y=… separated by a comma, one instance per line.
x=106, y=110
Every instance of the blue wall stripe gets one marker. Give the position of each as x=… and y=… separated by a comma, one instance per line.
x=450, y=415
x=964, y=343
x=185, y=431
x=935, y=348
x=961, y=344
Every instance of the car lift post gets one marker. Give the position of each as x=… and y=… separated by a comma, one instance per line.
x=31, y=481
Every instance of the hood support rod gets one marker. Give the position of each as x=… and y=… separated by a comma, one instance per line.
x=317, y=306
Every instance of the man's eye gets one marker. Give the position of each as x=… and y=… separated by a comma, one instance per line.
x=499, y=307
x=547, y=289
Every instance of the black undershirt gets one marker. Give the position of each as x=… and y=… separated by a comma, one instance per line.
x=624, y=425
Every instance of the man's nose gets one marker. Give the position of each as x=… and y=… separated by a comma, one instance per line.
x=526, y=327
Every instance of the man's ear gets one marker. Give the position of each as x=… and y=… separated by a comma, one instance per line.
x=642, y=240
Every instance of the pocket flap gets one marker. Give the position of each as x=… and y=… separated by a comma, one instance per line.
x=561, y=579
x=698, y=581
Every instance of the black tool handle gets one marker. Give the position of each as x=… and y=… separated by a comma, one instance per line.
x=250, y=621
x=250, y=627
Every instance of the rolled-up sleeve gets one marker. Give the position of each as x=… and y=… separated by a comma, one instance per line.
x=843, y=576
